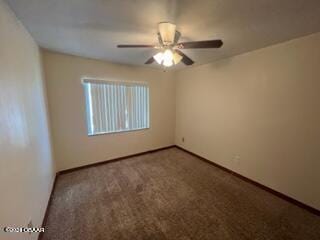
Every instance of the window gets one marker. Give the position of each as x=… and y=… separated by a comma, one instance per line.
x=116, y=106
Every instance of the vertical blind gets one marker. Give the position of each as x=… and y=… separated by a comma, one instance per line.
x=116, y=106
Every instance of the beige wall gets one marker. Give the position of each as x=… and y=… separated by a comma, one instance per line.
x=67, y=110
x=26, y=166
x=258, y=114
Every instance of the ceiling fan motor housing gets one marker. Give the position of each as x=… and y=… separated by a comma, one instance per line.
x=167, y=32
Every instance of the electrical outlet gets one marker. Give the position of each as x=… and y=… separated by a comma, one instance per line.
x=236, y=159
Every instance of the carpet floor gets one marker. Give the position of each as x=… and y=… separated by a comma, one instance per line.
x=169, y=194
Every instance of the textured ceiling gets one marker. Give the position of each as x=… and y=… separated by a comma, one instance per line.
x=93, y=28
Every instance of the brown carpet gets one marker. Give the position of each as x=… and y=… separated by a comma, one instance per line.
x=170, y=194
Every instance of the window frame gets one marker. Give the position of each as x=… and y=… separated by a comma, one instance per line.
x=86, y=80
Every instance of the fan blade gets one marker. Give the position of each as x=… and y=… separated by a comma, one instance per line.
x=176, y=37
x=136, y=46
x=160, y=39
x=185, y=59
x=149, y=61
x=201, y=44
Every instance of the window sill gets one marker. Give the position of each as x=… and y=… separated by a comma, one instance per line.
x=122, y=131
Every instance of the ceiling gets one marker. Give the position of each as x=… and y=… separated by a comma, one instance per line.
x=93, y=28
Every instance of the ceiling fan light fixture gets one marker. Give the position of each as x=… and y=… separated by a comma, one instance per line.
x=158, y=57
x=167, y=63
x=167, y=58
x=167, y=32
x=176, y=58
x=168, y=55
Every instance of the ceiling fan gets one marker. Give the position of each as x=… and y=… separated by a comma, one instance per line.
x=169, y=47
